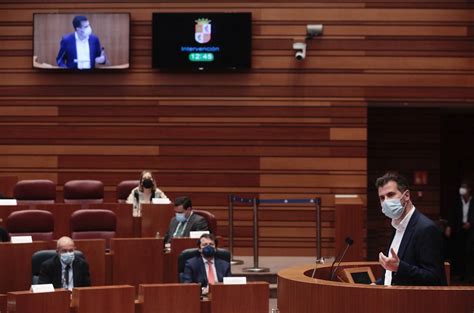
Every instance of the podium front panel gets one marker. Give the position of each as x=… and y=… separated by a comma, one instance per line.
x=171, y=258
x=116, y=299
x=155, y=218
x=249, y=298
x=94, y=252
x=47, y=302
x=166, y=298
x=137, y=261
x=15, y=269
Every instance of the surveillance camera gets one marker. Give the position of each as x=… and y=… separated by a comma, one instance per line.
x=300, y=48
x=313, y=30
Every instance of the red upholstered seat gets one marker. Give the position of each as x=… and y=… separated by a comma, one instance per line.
x=83, y=191
x=210, y=219
x=93, y=224
x=35, y=223
x=35, y=191
x=124, y=188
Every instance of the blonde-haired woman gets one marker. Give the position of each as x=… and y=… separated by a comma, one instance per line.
x=144, y=192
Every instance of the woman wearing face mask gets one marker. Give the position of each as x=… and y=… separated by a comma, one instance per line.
x=144, y=192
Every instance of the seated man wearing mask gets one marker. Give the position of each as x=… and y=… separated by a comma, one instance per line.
x=205, y=268
x=64, y=270
x=415, y=256
x=184, y=221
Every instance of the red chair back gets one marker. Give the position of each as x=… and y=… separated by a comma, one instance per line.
x=35, y=223
x=36, y=191
x=124, y=188
x=83, y=191
x=210, y=219
x=93, y=224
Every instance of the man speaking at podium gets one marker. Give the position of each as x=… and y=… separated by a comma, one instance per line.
x=415, y=256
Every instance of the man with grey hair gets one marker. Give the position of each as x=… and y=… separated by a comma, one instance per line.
x=65, y=269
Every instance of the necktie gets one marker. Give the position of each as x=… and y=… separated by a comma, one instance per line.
x=210, y=273
x=66, y=276
x=179, y=230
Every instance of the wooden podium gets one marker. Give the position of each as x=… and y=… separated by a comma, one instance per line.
x=7, y=183
x=249, y=298
x=349, y=223
x=166, y=298
x=15, y=268
x=171, y=258
x=299, y=293
x=137, y=260
x=48, y=302
x=116, y=299
x=155, y=218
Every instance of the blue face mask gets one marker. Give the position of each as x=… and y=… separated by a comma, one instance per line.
x=393, y=208
x=181, y=217
x=208, y=251
x=67, y=257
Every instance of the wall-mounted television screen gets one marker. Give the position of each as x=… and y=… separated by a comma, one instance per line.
x=202, y=41
x=81, y=41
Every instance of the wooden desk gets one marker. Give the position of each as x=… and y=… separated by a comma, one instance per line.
x=15, y=265
x=6, y=185
x=116, y=299
x=250, y=298
x=137, y=260
x=3, y=303
x=349, y=222
x=48, y=302
x=155, y=218
x=171, y=259
x=299, y=293
x=94, y=251
x=166, y=298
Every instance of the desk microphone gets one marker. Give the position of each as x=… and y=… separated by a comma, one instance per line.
x=318, y=261
x=349, y=243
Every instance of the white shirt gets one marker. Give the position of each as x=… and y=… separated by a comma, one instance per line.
x=397, y=239
x=83, y=53
x=213, y=267
x=70, y=284
x=465, y=209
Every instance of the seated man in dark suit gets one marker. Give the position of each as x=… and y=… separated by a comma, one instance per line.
x=205, y=268
x=64, y=270
x=184, y=221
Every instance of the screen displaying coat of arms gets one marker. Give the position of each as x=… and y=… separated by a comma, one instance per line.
x=202, y=41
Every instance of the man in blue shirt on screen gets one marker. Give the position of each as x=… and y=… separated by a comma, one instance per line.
x=81, y=49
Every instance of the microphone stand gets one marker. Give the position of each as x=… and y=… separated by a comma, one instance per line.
x=349, y=243
x=318, y=261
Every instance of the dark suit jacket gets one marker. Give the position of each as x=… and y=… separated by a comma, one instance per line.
x=195, y=270
x=456, y=215
x=195, y=223
x=67, y=55
x=50, y=272
x=421, y=254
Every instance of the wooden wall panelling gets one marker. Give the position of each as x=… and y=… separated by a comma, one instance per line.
x=283, y=128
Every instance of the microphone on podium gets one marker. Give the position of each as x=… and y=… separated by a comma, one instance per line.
x=318, y=261
x=349, y=243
